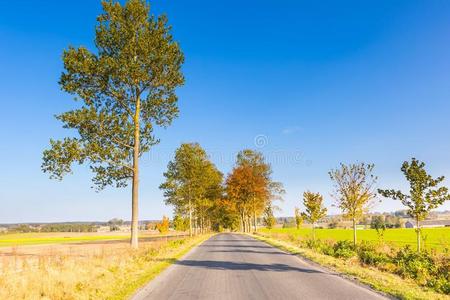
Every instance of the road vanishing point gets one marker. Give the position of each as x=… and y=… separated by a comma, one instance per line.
x=235, y=266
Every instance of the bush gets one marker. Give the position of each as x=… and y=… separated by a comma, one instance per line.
x=368, y=254
x=327, y=247
x=312, y=244
x=419, y=266
x=344, y=249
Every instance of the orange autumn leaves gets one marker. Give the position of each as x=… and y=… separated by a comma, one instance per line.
x=250, y=188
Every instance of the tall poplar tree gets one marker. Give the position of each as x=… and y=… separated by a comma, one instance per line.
x=193, y=184
x=124, y=88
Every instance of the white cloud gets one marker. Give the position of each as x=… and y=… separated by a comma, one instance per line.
x=291, y=130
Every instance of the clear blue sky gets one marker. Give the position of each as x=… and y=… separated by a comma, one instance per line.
x=323, y=81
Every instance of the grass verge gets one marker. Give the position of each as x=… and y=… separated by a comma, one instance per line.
x=114, y=273
x=382, y=281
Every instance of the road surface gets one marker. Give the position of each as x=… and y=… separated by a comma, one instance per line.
x=235, y=267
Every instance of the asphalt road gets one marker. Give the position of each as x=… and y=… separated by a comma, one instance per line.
x=234, y=266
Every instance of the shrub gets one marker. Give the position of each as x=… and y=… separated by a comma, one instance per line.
x=344, y=249
x=368, y=254
x=312, y=244
x=419, y=266
x=327, y=247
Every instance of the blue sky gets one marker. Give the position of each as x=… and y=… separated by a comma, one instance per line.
x=313, y=83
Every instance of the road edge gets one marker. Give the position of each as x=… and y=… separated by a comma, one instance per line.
x=285, y=248
x=144, y=290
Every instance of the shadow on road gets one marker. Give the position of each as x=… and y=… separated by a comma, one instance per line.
x=228, y=265
x=234, y=246
x=249, y=251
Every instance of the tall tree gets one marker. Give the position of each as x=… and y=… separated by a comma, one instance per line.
x=354, y=190
x=314, y=209
x=424, y=194
x=126, y=87
x=251, y=187
x=192, y=184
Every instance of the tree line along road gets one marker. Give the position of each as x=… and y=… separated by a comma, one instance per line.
x=235, y=266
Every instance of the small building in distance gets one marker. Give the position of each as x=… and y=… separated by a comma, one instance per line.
x=428, y=223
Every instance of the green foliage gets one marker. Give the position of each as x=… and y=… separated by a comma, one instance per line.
x=269, y=219
x=21, y=228
x=180, y=223
x=438, y=238
x=68, y=228
x=344, y=249
x=126, y=87
x=424, y=195
x=425, y=268
x=193, y=183
x=354, y=190
x=378, y=223
x=368, y=254
x=418, y=266
x=314, y=210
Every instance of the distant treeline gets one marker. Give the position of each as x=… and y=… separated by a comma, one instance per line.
x=23, y=228
x=68, y=228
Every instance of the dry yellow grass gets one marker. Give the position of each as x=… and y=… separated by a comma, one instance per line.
x=111, y=271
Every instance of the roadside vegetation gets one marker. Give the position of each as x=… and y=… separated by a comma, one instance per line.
x=407, y=275
x=112, y=272
x=433, y=239
x=384, y=251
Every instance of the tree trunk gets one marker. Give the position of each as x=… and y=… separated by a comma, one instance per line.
x=202, y=225
x=314, y=231
x=241, y=223
x=418, y=234
x=354, y=232
x=254, y=216
x=190, y=218
x=135, y=184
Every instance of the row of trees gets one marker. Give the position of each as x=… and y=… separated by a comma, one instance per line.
x=201, y=195
x=127, y=86
x=355, y=193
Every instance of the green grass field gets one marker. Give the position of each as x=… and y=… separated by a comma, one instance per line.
x=433, y=238
x=22, y=239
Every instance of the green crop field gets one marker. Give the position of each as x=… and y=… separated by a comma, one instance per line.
x=38, y=238
x=433, y=238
